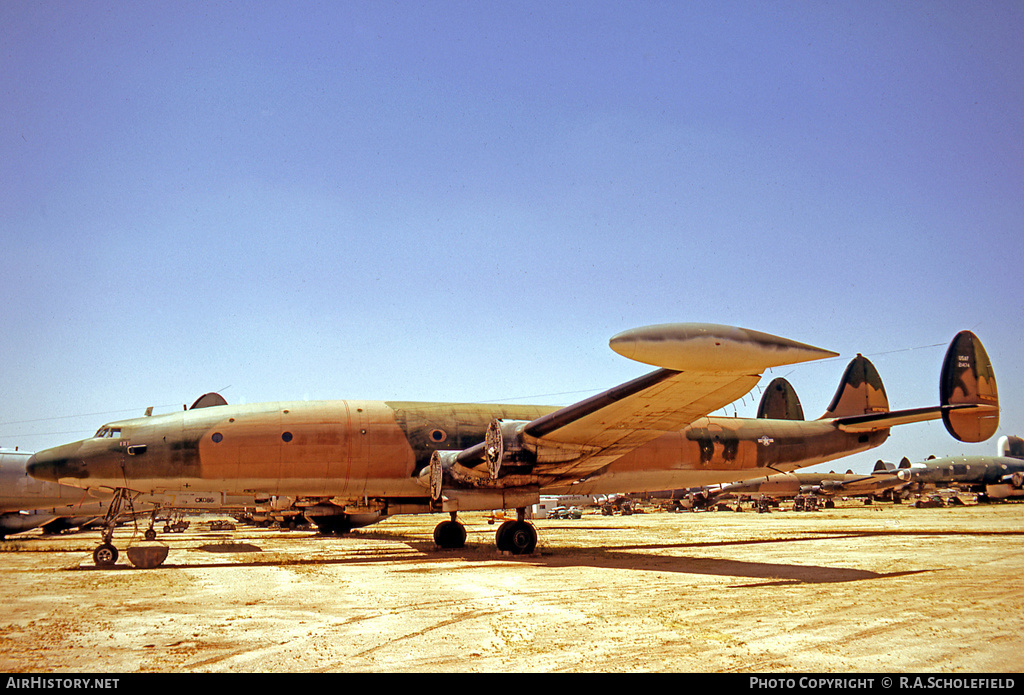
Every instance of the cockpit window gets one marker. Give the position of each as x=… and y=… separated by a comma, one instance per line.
x=107, y=432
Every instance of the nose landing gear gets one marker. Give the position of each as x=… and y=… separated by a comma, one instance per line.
x=142, y=556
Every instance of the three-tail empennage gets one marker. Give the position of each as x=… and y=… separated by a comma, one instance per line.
x=888, y=467
x=969, y=403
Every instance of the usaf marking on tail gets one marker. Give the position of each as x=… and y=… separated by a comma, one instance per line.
x=356, y=462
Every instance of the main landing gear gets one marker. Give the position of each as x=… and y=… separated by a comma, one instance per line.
x=518, y=537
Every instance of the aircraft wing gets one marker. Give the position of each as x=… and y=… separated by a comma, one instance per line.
x=703, y=367
x=612, y=423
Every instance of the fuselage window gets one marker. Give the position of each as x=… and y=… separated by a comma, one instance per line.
x=217, y=437
x=287, y=436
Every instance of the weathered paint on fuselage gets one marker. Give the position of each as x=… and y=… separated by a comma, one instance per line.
x=792, y=484
x=722, y=449
x=19, y=492
x=965, y=471
x=372, y=449
x=27, y=503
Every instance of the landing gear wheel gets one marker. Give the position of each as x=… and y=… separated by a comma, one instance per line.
x=105, y=555
x=150, y=534
x=332, y=525
x=516, y=537
x=450, y=534
x=499, y=536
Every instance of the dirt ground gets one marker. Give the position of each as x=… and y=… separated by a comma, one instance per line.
x=854, y=589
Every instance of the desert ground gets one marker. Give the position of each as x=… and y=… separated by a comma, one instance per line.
x=883, y=589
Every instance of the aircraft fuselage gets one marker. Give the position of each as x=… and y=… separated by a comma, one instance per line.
x=355, y=450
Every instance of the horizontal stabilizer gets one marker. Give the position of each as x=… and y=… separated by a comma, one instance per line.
x=872, y=422
x=967, y=392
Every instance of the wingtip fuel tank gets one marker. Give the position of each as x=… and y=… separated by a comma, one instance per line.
x=707, y=347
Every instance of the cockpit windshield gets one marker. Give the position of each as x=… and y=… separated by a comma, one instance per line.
x=107, y=432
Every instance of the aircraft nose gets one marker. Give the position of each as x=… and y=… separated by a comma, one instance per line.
x=38, y=469
x=54, y=464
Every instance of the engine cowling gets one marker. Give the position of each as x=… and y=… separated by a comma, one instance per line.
x=500, y=461
x=503, y=446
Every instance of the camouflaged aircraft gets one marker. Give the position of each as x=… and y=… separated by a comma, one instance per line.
x=780, y=402
x=790, y=485
x=990, y=477
x=355, y=462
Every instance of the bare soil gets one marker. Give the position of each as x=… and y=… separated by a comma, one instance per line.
x=858, y=588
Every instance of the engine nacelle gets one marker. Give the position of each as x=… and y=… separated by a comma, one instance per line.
x=503, y=446
x=506, y=463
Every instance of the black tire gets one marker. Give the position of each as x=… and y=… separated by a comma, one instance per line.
x=520, y=538
x=499, y=535
x=105, y=555
x=450, y=535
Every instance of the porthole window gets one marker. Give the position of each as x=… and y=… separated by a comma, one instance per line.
x=217, y=437
x=287, y=436
x=438, y=436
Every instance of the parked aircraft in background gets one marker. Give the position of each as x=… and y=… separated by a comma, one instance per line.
x=991, y=477
x=27, y=503
x=791, y=485
x=780, y=402
x=365, y=460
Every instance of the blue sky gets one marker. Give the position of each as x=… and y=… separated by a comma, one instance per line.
x=463, y=201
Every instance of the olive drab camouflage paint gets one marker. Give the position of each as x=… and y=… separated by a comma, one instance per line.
x=359, y=461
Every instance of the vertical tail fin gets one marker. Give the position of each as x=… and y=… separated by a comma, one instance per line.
x=860, y=392
x=780, y=402
x=968, y=379
x=1011, y=446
